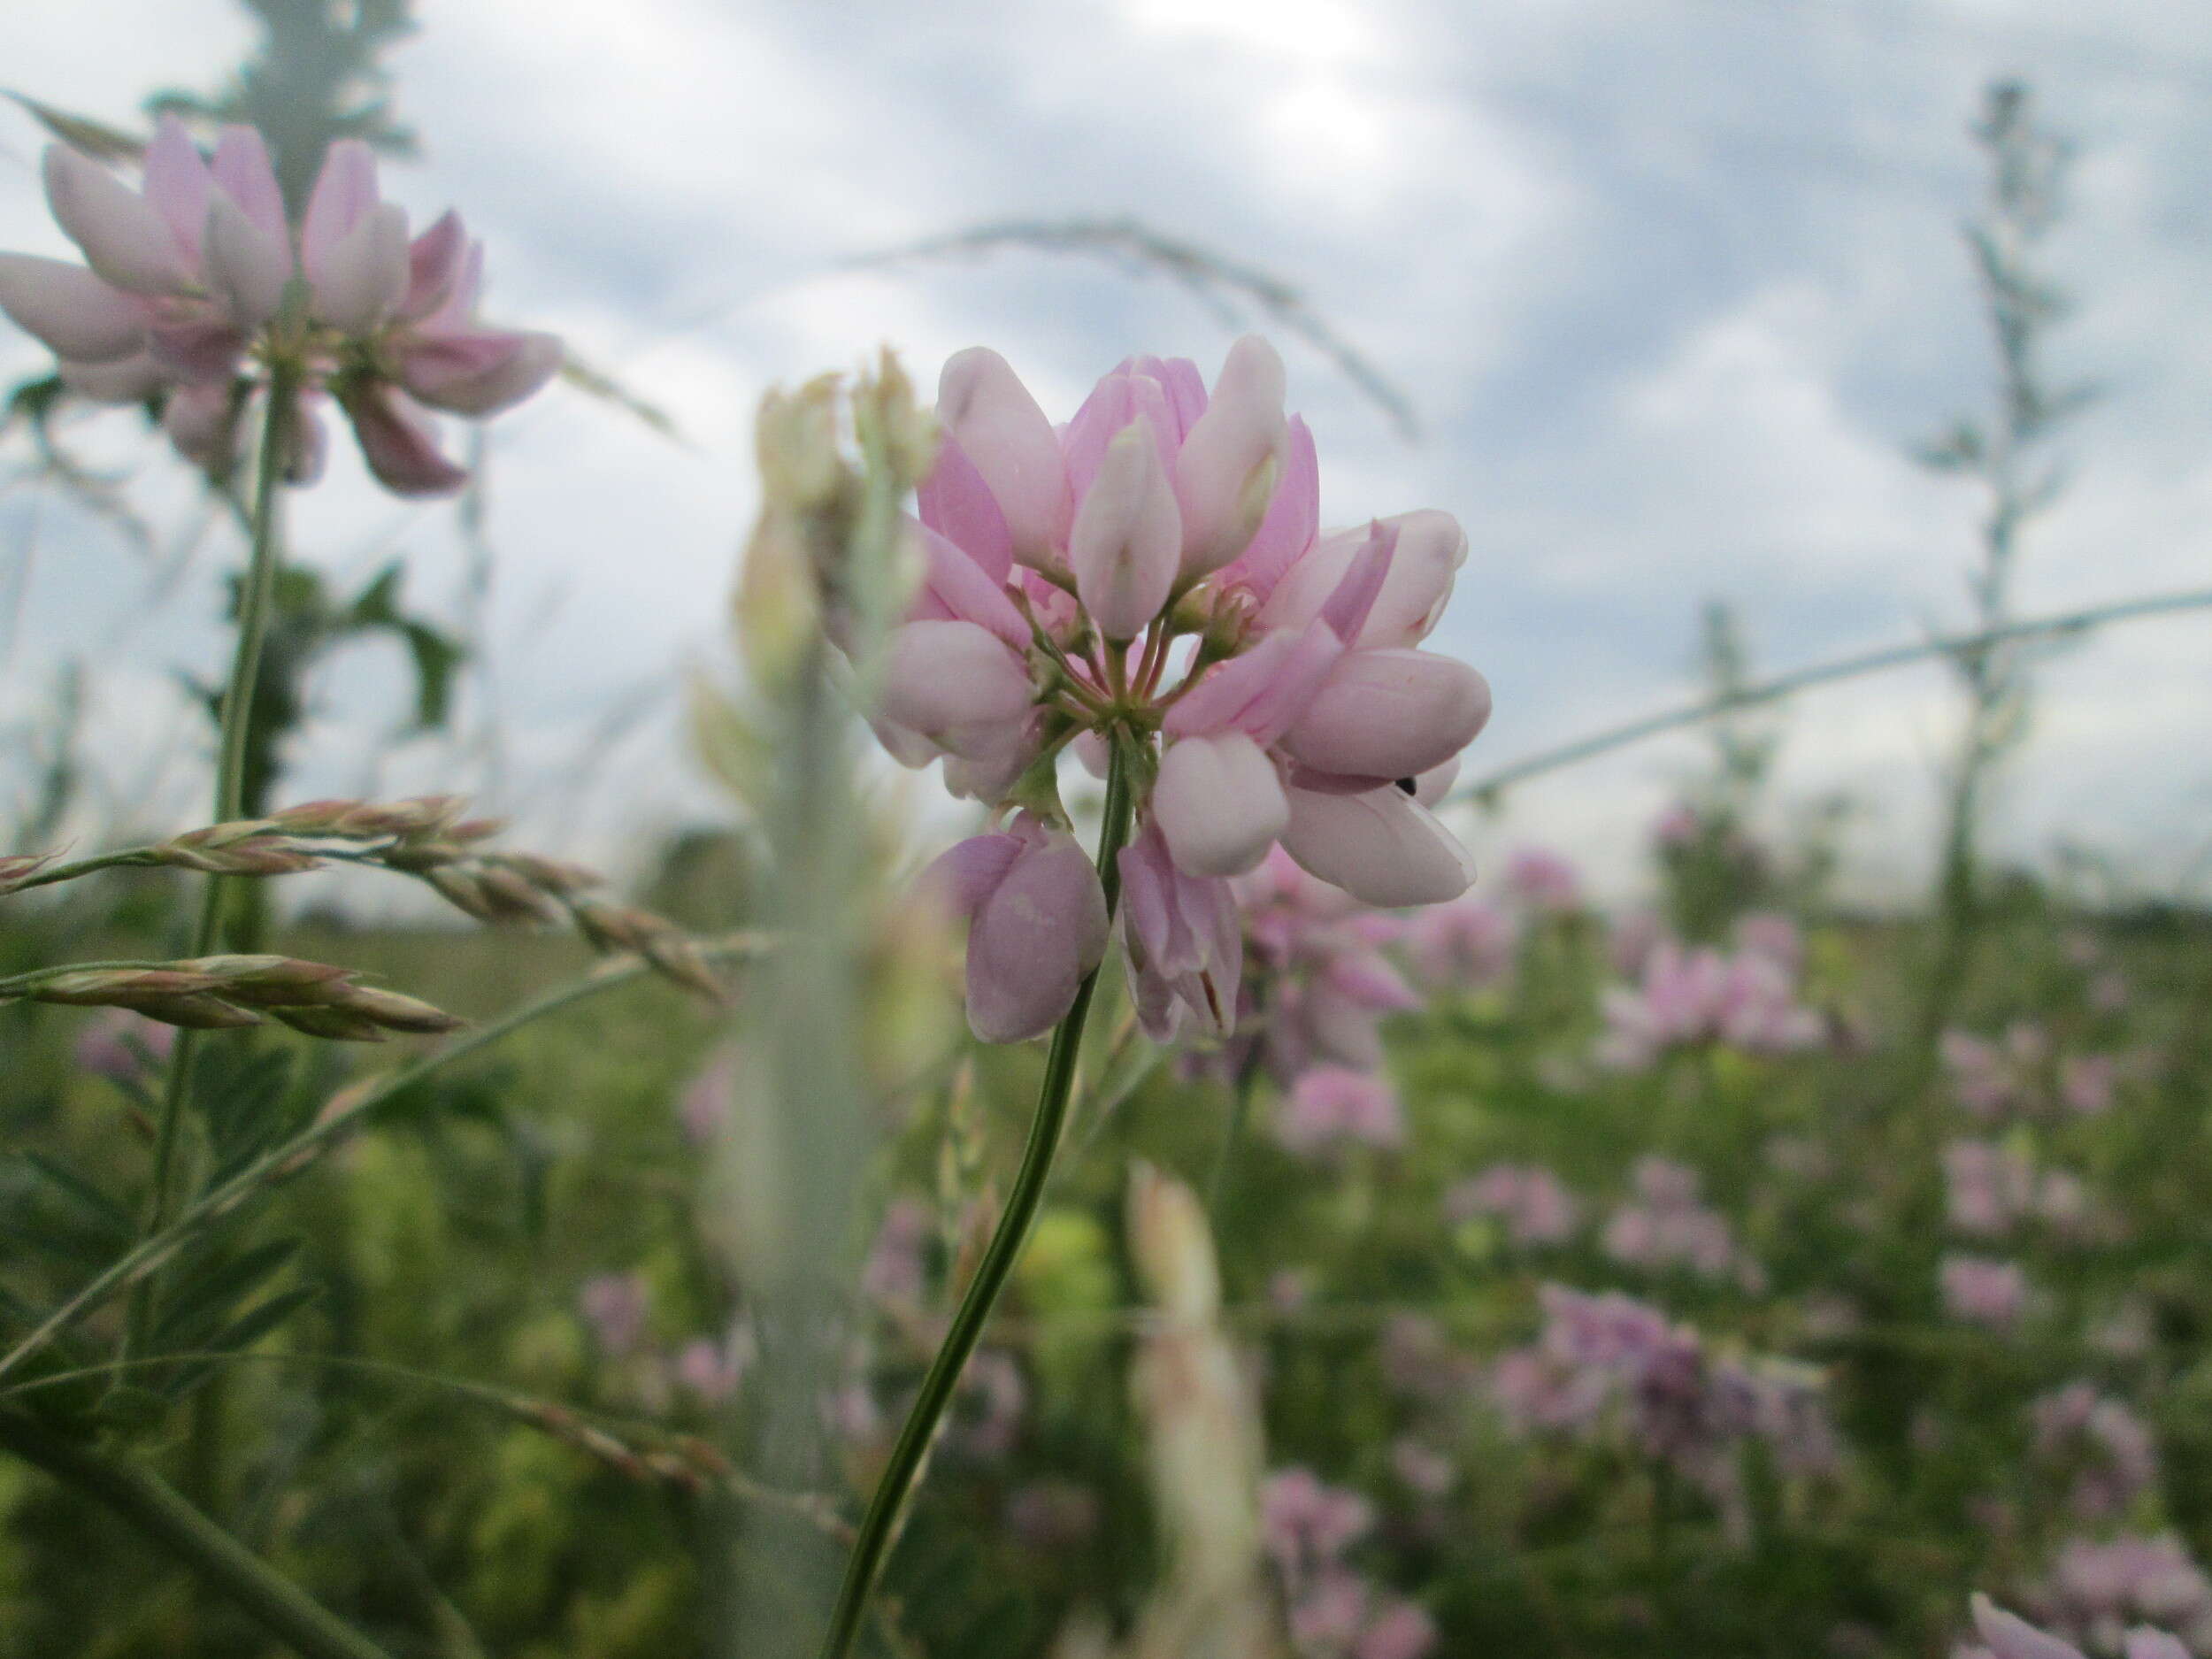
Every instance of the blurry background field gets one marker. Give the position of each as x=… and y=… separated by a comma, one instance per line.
x=1665, y=302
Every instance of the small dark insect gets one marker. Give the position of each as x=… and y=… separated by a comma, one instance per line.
x=1406, y=784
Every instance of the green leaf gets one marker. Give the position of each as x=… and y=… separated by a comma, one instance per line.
x=238, y=1337
x=198, y=1304
x=100, y=1214
x=96, y=139
x=596, y=383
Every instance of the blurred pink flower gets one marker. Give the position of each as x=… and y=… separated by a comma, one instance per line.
x=1979, y=1291
x=121, y=1046
x=187, y=293
x=1543, y=881
x=1467, y=942
x=1537, y=1206
x=615, y=1305
x=1334, y=1105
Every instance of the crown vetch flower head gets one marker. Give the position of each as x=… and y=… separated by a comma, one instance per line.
x=1152, y=578
x=187, y=298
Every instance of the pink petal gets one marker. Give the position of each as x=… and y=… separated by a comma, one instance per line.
x=2011, y=1638
x=1382, y=846
x=399, y=442
x=939, y=676
x=1261, y=692
x=434, y=263
x=344, y=195
x=125, y=240
x=1218, y=805
x=1224, y=470
x=246, y=269
x=131, y=379
x=1430, y=788
x=1294, y=518
x=963, y=877
x=1430, y=547
x=199, y=346
x=985, y=405
x=71, y=309
x=177, y=185
x=1185, y=388
x=1126, y=541
x=361, y=276
x=1117, y=400
x=479, y=373
x=1390, y=714
x=1346, y=610
x=955, y=502
x=954, y=588
x=240, y=170
x=202, y=424
x=1041, y=929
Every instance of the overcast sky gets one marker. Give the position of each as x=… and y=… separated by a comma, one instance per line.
x=1671, y=284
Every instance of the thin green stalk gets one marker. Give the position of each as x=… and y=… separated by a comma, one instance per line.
x=880, y=1524
x=256, y=600
x=156, y=1508
x=1233, y=1131
x=1850, y=667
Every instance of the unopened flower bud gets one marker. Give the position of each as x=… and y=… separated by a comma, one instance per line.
x=393, y=1011
x=778, y=602
x=794, y=437
x=513, y=897
x=884, y=406
x=333, y=1025
x=462, y=891
x=548, y=875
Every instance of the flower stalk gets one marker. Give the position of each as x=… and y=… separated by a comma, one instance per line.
x=878, y=1528
x=256, y=600
x=156, y=1508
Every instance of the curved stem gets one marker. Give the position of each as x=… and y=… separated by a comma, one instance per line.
x=1821, y=673
x=154, y=1506
x=879, y=1526
x=255, y=599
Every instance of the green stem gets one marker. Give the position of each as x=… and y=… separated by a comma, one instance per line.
x=157, y=1510
x=880, y=1524
x=256, y=600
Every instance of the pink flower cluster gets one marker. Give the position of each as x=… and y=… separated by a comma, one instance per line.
x=196, y=282
x=1335, y=1612
x=1991, y=1189
x=1149, y=583
x=2007, y=1636
x=2100, y=1443
x=1607, y=1363
x=1667, y=1225
x=1978, y=1290
x=1318, y=987
x=1746, y=1000
x=2096, y=1591
x=1469, y=942
x=1534, y=1203
x=2014, y=1075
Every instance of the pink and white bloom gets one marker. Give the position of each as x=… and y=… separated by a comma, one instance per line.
x=1038, y=924
x=187, y=296
x=1152, y=578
